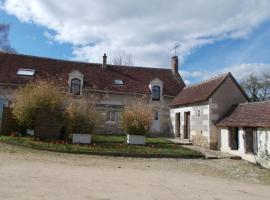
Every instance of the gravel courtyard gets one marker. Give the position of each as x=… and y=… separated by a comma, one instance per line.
x=27, y=174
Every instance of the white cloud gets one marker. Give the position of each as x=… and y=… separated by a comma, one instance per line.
x=239, y=72
x=145, y=29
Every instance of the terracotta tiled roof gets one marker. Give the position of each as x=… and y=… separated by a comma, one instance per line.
x=248, y=115
x=136, y=79
x=199, y=92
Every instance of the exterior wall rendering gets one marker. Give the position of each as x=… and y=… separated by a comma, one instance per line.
x=111, y=105
x=261, y=145
x=199, y=123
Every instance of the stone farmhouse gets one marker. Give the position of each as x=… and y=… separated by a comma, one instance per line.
x=213, y=114
x=113, y=86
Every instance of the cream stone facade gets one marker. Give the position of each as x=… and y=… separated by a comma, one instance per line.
x=112, y=104
x=260, y=145
x=199, y=123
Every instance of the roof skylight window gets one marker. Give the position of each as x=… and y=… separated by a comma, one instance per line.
x=26, y=72
x=118, y=82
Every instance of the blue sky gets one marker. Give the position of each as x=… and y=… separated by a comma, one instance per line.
x=234, y=36
x=28, y=38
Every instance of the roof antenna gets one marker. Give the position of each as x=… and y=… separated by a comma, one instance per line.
x=176, y=45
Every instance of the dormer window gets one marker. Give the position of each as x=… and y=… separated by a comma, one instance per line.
x=26, y=72
x=75, y=82
x=75, y=87
x=156, y=88
x=156, y=93
x=118, y=82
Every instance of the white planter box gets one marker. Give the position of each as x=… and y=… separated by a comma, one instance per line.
x=81, y=138
x=30, y=132
x=136, y=139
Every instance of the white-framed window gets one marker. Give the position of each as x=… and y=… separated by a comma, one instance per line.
x=75, y=87
x=111, y=116
x=156, y=93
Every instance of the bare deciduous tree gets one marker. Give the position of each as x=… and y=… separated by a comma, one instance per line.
x=123, y=58
x=257, y=87
x=4, y=41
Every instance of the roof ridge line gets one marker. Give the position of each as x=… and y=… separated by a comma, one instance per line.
x=81, y=62
x=208, y=80
x=257, y=102
x=133, y=66
x=48, y=58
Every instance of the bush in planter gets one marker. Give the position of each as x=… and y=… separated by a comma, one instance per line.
x=137, y=118
x=36, y=96
x=82, y=116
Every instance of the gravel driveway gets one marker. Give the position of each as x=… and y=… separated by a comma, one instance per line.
x=27, y=174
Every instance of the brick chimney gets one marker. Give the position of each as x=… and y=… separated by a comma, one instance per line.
x=104, y=64
x=175, y=65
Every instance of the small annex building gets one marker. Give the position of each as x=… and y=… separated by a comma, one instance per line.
x=245, y=132
x=197, y=108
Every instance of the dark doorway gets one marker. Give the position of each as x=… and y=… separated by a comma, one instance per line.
x=177, y=125
x=234, y=138
x=249, y=140
x=187, y=125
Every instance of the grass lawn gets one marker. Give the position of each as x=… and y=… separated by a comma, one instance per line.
x=110, y=145
x=123, y=139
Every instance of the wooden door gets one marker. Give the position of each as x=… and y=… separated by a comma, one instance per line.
x=187, y=125
x=177, y=125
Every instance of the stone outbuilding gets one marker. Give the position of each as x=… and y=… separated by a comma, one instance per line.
x=245, y=132
x=197, y=108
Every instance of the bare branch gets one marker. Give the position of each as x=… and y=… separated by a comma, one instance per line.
x=123, y=58
x=4, y=41
x=257, y=88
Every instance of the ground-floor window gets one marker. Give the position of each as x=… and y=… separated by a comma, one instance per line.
x=234, y=138
x=111, y=116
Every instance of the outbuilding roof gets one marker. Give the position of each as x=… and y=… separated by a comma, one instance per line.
x=248, y=115
x=201, y=92
x=135, y=79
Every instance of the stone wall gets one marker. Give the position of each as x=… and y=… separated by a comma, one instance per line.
x=199, y=123
x=117, y=102
x=263, y=155
x=108, y=99
x=223, y=99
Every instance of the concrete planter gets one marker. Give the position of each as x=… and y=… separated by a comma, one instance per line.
x=30, y=132
x=81, y=138
x=136, y=139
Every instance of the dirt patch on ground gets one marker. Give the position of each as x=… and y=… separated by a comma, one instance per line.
x=31, y=174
